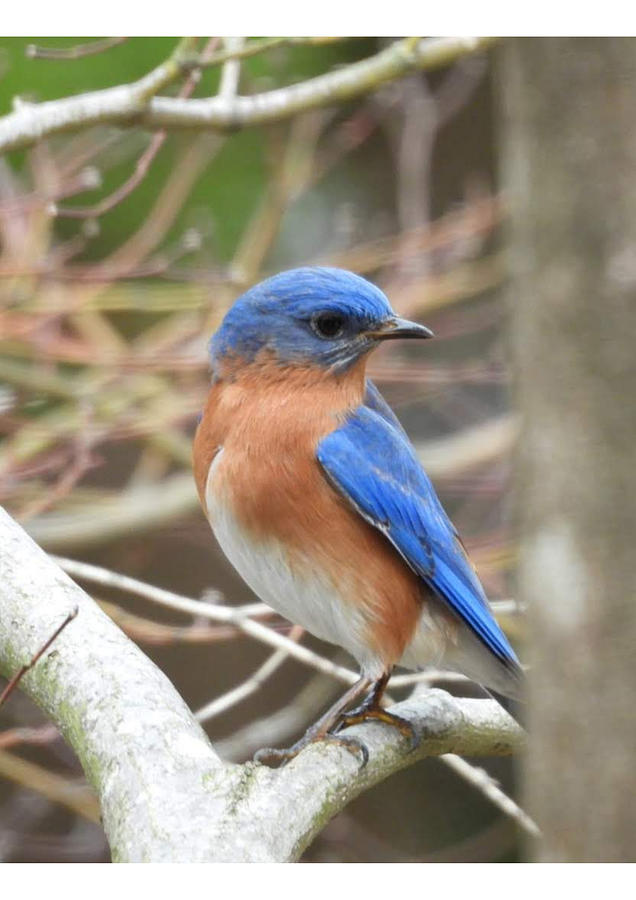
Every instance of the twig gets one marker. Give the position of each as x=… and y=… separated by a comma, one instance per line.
x=238, y=616
x=141, y=170
x=33, y=51
x=147, y=631
x=44, y=734
x=241, y=618
x=231, y=72
x=250, y=685
x=279, y=726
x=82, y=462
x=56, y=788
x=143, y=163
x=254, y=48
x=487, y=785
x=194, y=158
x=17, y=678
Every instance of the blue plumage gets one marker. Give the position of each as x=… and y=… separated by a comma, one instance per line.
x=371, y=462
x=279, y=315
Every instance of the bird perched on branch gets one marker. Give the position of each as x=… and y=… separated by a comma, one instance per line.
x=316, y=496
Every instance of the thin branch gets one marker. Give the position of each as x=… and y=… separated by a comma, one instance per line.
x=142, y=168
x=277, y=727
x=255, y=48
x=143, y=164
x=212, y=608
x=231, y=72
x=56, y=788
x=487, y=785
x=13, y=737
x=252, y=684
x=238, y=616
x=148, y=631
x=33, y=51
x=138, y=104
x=17, y=678
x=82, y=461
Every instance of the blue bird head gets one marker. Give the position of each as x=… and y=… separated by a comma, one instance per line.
x=310, y=316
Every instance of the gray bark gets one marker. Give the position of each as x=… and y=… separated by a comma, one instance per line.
x=569, y=172
x=165, y=794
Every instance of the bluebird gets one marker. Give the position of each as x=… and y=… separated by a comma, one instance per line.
x=316, y=495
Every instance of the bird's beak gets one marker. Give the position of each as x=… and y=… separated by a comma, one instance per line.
x=395, y=328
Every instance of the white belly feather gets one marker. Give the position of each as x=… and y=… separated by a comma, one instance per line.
x=299, y=592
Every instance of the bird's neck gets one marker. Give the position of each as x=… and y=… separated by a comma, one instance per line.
x=266, y=374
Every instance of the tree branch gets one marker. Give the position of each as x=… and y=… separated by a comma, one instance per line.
x=79, y=51
x=137, y=103
x=164, y=792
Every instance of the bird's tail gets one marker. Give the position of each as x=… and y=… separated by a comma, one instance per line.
x=515, y=708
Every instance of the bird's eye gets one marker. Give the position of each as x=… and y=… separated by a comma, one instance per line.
x=328, y=324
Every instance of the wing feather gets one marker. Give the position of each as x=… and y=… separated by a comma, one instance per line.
x=371, y=462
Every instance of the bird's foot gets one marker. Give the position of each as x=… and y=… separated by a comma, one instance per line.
x=279, y=757
x=367, y=711
x=329, y=726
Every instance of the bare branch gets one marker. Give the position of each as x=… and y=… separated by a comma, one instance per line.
x=43, y=734
x=235, y=615
x=255, y=48
x=231, y=72
x=76, y=797
x=481, y=780
x=138, y=104
x=143, y=163
x=250, y=685
x=17, y=678
x=165, y=795
x=33, y=51
x=241, y=618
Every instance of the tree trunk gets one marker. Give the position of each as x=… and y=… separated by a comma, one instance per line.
x=569, y=173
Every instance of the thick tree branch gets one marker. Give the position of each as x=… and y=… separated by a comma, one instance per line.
x=165, y=794
x=138, y=104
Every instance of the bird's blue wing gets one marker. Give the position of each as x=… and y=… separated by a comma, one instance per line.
x=371, y=462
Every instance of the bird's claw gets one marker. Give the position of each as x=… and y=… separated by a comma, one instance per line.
x=280, y=757
x=364, y=713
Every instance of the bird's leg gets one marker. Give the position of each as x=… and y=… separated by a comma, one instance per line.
x=371, y=708
x=322, y=730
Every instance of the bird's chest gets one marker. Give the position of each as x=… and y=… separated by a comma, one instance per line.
x=277, y=532
x=264, y=473
x=277, y=519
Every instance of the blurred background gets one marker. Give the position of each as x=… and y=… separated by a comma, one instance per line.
x=119, y=253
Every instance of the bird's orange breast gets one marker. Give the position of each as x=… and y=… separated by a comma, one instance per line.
x=268, y=420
